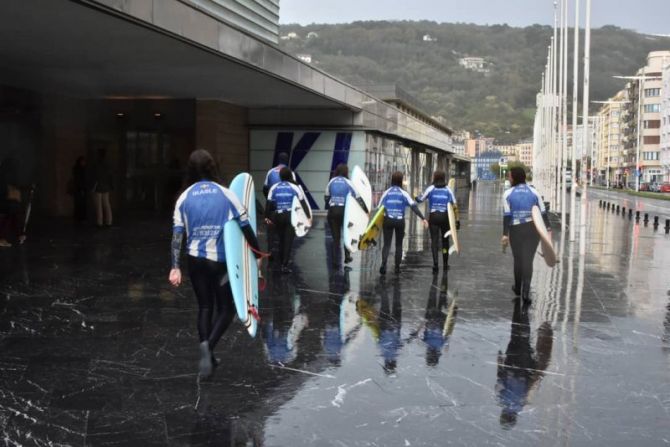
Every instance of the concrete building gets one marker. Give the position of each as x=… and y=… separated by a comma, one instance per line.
x=611, y=150
x=477, y=64
x=482, y=164
x=665, y=123
x=525, y=153
x=478, y=145
x=148, y=81
x=649, y=106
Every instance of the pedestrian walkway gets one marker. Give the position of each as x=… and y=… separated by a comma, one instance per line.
x=98, y=349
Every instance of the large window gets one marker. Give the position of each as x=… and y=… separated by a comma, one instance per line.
x=652, y=92
x=652, y=108
x=650, y=156
x=652, y=124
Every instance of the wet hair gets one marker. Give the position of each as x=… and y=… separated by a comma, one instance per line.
x=439, y=178
x=396, y=178
x=517, y=175
x=342, y=170
x=201, y=166
x=282, y=158
x=285, y=174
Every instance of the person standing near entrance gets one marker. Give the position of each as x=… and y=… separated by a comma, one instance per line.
x=201, y=212
x=102, y=187
x=337, y=191
x=439, y=196
x=395, y=200
x=278, y=213
x=519, y=230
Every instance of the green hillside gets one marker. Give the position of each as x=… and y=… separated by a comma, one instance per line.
x=500, y=103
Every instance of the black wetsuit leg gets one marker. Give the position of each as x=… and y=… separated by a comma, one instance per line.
x=524, y=241
x=336, y=222
x=286, y=234
x=390, y=227
x=439, y=225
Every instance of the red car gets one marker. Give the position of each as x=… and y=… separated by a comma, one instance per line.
x=665, y=187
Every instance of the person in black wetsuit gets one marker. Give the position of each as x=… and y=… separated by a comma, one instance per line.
x=278, y=213
x=337, y=190
x=519, y=229
x=201, y=212
x=395, y=200
x=439, y=196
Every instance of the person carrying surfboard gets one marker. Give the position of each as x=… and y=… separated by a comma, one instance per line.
x=439, y=196
x=519, y=231
x=278, y=213
x=395, y=200
x=200, y=213
x=272, y=177
x=337, y=190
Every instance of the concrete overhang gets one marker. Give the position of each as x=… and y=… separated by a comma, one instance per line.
x=169, y=49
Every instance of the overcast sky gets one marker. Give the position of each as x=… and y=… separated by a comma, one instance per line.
x=648, y=16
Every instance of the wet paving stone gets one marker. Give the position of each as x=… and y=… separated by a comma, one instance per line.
x=97, y=348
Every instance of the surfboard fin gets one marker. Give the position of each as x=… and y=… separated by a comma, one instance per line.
x=447, y=234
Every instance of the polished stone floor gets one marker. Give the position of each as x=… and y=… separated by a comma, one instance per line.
x=98, y=350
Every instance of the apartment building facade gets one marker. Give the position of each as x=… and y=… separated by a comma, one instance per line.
x=609, y=160
x=642, y=143
x=665, y=123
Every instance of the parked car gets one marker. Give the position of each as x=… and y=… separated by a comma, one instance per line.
x=644, y=186
x=665, y=187
x=654, y=187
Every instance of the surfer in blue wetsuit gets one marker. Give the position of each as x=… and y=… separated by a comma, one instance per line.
x=271, y=179
x=439, y=196
x=200, y=213
x=395, y=200
x=519, y=230
x=337, y=191
x=278, y=213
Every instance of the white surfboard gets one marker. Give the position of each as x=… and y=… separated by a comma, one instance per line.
x=548, y=252
x=299, y=219
x=453, y=232
x=240, y=260
x=355, y=218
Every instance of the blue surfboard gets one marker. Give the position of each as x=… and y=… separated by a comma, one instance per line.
x=241, y=262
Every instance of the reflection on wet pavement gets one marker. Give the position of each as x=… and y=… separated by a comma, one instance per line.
x=99, y=350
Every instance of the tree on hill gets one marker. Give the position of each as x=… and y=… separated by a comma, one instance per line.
x=500, y=103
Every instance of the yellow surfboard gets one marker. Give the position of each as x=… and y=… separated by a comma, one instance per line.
x=452, y=185
x=372, y=232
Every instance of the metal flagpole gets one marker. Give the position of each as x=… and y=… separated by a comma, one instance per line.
x=585, y=122
x=585, y=113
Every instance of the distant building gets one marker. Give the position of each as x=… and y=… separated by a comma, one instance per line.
x=477, y=64
x=429, y=38
x=476, y=146
x=649, y=135
x=482, y=164
x=458, y=141
x=307, y=58
x=524, y=152
x=290, y=36
x=509, y=151
x=665, y=123
x=610, y=159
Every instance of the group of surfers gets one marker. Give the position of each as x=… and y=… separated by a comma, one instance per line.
x=205, y=206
